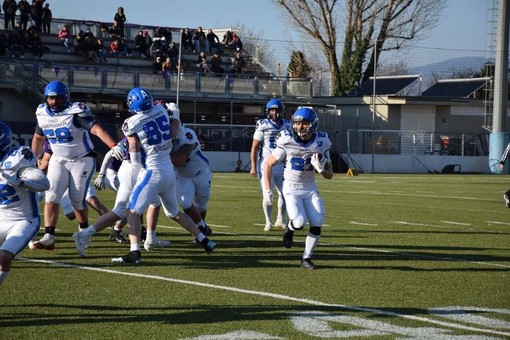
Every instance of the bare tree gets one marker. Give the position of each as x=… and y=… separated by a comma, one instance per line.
x=393, y=24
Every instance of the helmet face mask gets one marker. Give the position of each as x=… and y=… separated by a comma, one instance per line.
x=139, y=100
x=56, y=95
x=5, y=138
x=304, y=122
x=275, y=109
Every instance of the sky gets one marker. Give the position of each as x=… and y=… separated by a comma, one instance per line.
x=464, y=25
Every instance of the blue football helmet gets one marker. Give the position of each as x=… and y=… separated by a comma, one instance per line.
x=5, y=139
x=275, y=104
x=139, y=100
x=59, y=90
x=305, y=114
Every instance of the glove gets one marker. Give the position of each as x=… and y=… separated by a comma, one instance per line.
x=99, y=182
x=268, y=197
x=118, y=153
x=173, y=110
x=12, y=180
x=318, y=162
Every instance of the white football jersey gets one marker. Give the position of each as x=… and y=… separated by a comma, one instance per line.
x=154, y=134
x=69, y=139
x=17, y=203
x=266, y=131
x=297, y=155
x=197, y=162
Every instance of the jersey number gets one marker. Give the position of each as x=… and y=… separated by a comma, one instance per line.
x=300, y=164
x=60, y=135
x=157, y=131
x=7, y=194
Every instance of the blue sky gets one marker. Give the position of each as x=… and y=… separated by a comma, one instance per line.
x=464, y=26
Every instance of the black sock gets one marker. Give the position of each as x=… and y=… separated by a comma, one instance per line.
x=49, y=230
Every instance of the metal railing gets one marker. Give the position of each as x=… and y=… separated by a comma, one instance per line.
x=397, y=142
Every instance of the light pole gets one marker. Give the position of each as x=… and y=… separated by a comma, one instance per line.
x=374, y=107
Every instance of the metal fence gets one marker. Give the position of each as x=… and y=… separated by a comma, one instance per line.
x=399, y=142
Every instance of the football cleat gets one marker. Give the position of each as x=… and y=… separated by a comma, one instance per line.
x=288, y=236
x=208, y=245
x=133, y=256
x=268, y=227
x=46, y=242
x=307, y=264
x=506, y=197
x=81, y=241
x=155, y=243
x=117, y=237
x=279, y=224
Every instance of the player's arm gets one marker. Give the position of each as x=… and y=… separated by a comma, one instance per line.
x=100, y=132
x=33, y=179
x=44, y=161
x=180, y=157
x=175, y=127
x=255, y=144
x=327, y=171
x=37, y=142
x=270, y=162
x=134, y=149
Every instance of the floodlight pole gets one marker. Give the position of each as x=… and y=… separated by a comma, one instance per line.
x=374, y=108
x=179, y=70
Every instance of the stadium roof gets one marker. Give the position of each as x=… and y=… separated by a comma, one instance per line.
x=387, y=85
x=455, y=88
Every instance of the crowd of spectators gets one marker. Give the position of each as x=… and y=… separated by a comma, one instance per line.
x=35, y=20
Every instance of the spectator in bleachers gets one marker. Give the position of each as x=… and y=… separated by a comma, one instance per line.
x=216, y=63
x=227, y=38
x=36, y=10
x=213, y=40
x=116, y=30
x=124, y=47
x=47, y=16
x=238, y=64
x=168, y=66
x=64, y=35
x=148, y=39
x=156, y=50
x=118, y=47
x=157, y=65
x=100, y=50
x=34, y=43
x=15, y=43
x=78, y=44
x=203, y=65
x=10, y=7
x=89, y=48
x=24, y=13
x=236, y=43
x=187, y=40
x=165, y=35
x=120, y=18
x=140, y=46
x=3, y=43
x=88, y=33
x=173, y=53
x=200, y=40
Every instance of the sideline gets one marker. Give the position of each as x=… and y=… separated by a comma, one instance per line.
x=269, y=295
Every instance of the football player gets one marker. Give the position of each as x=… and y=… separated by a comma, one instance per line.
x=67, y=125
x=192, y=177
x=264, y=142
x=149, y=136
x=304, y=151
x=20, y=180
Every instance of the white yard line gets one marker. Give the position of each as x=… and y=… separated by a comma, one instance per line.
x=269, y=295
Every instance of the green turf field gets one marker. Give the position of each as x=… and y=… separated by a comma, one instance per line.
x=401, y=257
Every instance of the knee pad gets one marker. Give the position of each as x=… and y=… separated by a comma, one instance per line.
x=315, y=231
x=294, y=227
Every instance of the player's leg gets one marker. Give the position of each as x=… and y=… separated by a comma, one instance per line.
x=94, y=202
x=81, y=173
x=58, y=177
x=315, y=210
x=202, y=184
x=14, y=237
x=266, y=208
x=152, y=241
x=277, y=174
x=296, y=213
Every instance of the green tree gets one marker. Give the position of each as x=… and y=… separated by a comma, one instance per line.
x=298, y=66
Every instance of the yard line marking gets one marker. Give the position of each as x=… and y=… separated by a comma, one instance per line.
x=270, y=295
x=497, y=222
x=363, y=223
x=458, y=223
